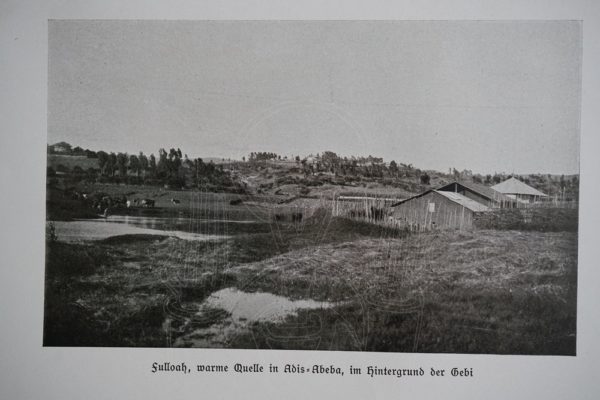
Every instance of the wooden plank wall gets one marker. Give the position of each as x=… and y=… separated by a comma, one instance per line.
x=416, y=214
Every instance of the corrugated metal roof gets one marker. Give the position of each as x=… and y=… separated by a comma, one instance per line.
x=463, y=201
x=515, y=186
x=483, y=190
x=413, y=197
x=455, y=197
x=367, y=198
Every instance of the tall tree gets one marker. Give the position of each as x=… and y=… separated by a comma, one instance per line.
x=393, y=168
x=162, y=166
x=102, y=161
x=111, y=165
x=152, y=167
x=122, y=164
x=134, y=164
x=143, y=162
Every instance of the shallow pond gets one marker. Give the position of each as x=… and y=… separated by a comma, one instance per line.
x=97, y=229
x=258, y=306
x=243, y=309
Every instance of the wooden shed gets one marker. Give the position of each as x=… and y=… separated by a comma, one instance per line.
x=437, y=209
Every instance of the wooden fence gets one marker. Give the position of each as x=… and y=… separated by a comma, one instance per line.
x=369, y=209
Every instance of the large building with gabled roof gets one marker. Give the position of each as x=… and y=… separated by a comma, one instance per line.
x=451, y=206
x=520, y=191
x=437, y=209
x=480, y=193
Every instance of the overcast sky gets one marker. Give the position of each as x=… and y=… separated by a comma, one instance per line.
x=485, y=96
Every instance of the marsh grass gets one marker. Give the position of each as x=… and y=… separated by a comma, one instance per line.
x=508, y=292
x=479, y=292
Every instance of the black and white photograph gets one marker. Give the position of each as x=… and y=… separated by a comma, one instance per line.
x=355, y=186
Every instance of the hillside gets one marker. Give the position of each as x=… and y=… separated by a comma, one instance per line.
x=68, y=162
x=268, y=174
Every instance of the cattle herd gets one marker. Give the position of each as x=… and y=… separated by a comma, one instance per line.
x=102, y=202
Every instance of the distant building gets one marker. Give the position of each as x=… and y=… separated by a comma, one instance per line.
x=310, y=160
x=515, y=189
x=61, y=147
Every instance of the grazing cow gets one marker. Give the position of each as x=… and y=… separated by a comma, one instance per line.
x=279, y=217
x=101, y=202
x=175, y=201
x=148, y=203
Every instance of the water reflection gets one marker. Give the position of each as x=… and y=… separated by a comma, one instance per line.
x=259, y=306
x=243, y=310
x=97, y=229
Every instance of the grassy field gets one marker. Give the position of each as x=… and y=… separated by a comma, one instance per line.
x=62, y=206
x=479, y=292
x=486, y=291
x=508, y=287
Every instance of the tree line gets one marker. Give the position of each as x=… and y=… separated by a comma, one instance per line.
x=170, y=168
x=175, y=169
